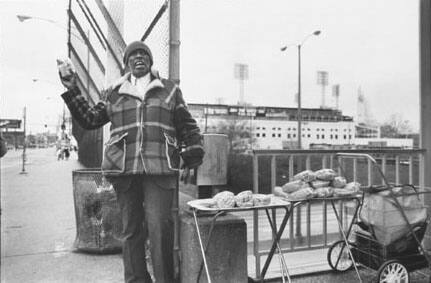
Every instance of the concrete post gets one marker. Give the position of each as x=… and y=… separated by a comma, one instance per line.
x=227, y=251
x=425, y=96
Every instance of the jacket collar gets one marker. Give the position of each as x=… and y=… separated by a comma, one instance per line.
x=127, y=88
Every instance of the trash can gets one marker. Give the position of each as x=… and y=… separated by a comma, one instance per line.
x=98, y=217
x=213, y=170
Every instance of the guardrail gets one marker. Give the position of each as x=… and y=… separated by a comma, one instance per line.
x=398, y=166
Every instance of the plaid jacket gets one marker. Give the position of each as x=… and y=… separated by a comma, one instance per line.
x=145, y=133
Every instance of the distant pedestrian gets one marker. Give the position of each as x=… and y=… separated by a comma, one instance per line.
x=63, y=144
x=149, y=119
x=3, y=146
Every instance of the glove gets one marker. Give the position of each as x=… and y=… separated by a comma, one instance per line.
x=193, y=157
x=69, y=82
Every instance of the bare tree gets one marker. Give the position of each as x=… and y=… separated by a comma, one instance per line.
x=239, y=133
x=396, y=126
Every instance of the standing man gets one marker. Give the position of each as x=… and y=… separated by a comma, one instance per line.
x=149, y=120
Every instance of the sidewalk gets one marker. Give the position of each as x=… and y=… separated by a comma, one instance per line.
x=38, y=228
x=38, y=224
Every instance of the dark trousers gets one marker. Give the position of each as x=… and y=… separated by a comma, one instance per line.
x=156, y=193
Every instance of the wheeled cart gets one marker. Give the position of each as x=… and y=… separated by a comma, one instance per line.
x=393, y=256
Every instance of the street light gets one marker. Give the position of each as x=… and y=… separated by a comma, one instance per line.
x=316, y=33
x=23, y=18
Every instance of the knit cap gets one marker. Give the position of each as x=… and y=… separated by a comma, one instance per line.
x=136, y=45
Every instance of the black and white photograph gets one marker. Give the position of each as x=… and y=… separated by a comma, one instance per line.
x=219, y=141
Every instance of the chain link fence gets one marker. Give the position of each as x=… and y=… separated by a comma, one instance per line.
x=99, y=32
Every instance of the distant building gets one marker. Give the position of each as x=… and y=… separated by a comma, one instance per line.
x=276, y=127
x=367, y=131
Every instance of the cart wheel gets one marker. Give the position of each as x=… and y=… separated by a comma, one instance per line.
x=339, y=252
x=392, y=271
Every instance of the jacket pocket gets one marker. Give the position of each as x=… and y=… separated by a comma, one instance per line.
x=114, y=157
x=171, y=151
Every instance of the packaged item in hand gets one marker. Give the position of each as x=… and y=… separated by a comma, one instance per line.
x=325, y=174
x=65, y=67
x=293, y=186
x=305, y=193
x=354, y=186
x=320, y=184
x=306, y=176
x=261, y=199
x=339, y=182
x=244, y=199
x=324, y=192
x=225, y=199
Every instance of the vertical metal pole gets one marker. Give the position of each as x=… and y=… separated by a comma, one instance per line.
x=397, y=169
x=299, y=99
x=298, y=233
x=174, y=41
x=273, y=184
x=206, y=118
x=25, y=144
x=174, y=75
x=88, y=63
x=425, y=98
x=256, y=216
x=251, y=130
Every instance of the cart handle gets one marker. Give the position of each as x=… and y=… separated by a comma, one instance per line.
x=356, y=155
x=370, y=158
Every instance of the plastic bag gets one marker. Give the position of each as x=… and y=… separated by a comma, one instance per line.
x=305, y=193
x=324, y=192
x=293, y=186
x=319, y=184
x=325, y=174
x=225, y=199
x=339, y=182
x=306, y=176
x=380, y=212
x=244, y=199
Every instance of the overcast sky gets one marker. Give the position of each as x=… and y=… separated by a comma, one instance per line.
x=369, y=44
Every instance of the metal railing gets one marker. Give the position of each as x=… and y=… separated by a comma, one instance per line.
x=318, y=229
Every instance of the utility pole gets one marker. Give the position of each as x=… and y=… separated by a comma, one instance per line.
x=206, y=118
x=24, y=146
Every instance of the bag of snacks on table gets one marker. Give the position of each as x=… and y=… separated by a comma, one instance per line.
x=305, y=193
x=306, y=176
x=325, y=174
x=324, y=192
x=278, y=191
x=244, y=199
x=355, y=186
x=343, y=192
x=339, y=182
x=225, y=199
x=320, y=184
x=261, y=199
x=293, y=186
